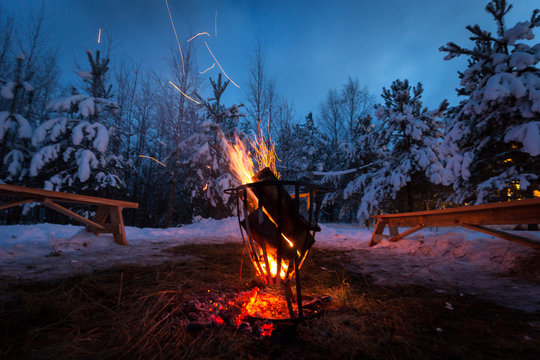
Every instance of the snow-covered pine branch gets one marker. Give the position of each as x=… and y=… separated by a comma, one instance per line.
x=72, y=148
x=491, y=147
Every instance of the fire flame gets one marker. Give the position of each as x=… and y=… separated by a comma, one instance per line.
x=242, y=166
x=265, y=150
x=240, y=161
x=272, y=264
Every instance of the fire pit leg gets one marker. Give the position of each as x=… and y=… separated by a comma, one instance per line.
x=288, y=295
x=298, y=288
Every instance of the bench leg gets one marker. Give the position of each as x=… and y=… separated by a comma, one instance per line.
x=62, y=210
x=102, y=213
x=377, y=232
x=407, y=233
x=119, y=232
x=503, y=235
x=16, y=203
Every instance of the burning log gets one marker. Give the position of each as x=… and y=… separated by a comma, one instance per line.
x=266, y=232
x=284, y=211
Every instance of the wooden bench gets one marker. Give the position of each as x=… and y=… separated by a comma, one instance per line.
x=106, y=208
x=471, y=217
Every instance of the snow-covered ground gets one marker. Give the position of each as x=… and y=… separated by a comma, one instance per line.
x=447, y=259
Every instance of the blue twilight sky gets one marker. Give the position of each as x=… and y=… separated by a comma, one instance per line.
x=311, y=46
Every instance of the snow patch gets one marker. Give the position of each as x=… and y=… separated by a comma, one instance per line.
x=448, y=260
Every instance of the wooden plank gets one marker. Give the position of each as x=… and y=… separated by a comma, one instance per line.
x=21, y=191
x=533, y=203
x=407, y=233
x=525, y=211
x=377, y=232
x=499, y=216
x=117, y=219
x=504, y=235
x=16, y=203
x=52, y=205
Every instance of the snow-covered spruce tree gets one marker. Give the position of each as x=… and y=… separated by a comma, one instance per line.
x=492, y=142
x=206, y=161
x=301, y=150
x=406, y=140
x=73, y=147
x=355, y=151
x=15, y=130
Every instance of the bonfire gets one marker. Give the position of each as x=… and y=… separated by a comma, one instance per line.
x=278, y=228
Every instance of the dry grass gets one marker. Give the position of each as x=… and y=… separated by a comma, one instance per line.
x=136, y=312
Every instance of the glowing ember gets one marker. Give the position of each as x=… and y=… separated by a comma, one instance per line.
x=267, y=329
x=262, y=305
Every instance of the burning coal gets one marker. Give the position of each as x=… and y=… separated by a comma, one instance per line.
x=256, y=312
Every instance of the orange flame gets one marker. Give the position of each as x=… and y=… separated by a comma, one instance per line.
x=272, y=263
x=265, y=150
x=240, y=161
x=242, y=166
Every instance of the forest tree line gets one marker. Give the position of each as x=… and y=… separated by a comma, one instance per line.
x=123, y=131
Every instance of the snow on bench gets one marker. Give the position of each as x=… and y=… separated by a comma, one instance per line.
x=106, y=208
x=473, y=217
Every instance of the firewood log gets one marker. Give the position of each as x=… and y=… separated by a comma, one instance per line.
x=266, y=232
x=293, y=225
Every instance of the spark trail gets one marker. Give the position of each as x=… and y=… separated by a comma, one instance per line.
x=176, y=35
x=217, y=62
x=181, y=92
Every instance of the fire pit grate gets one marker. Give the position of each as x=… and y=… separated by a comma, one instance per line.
x=278, y=228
